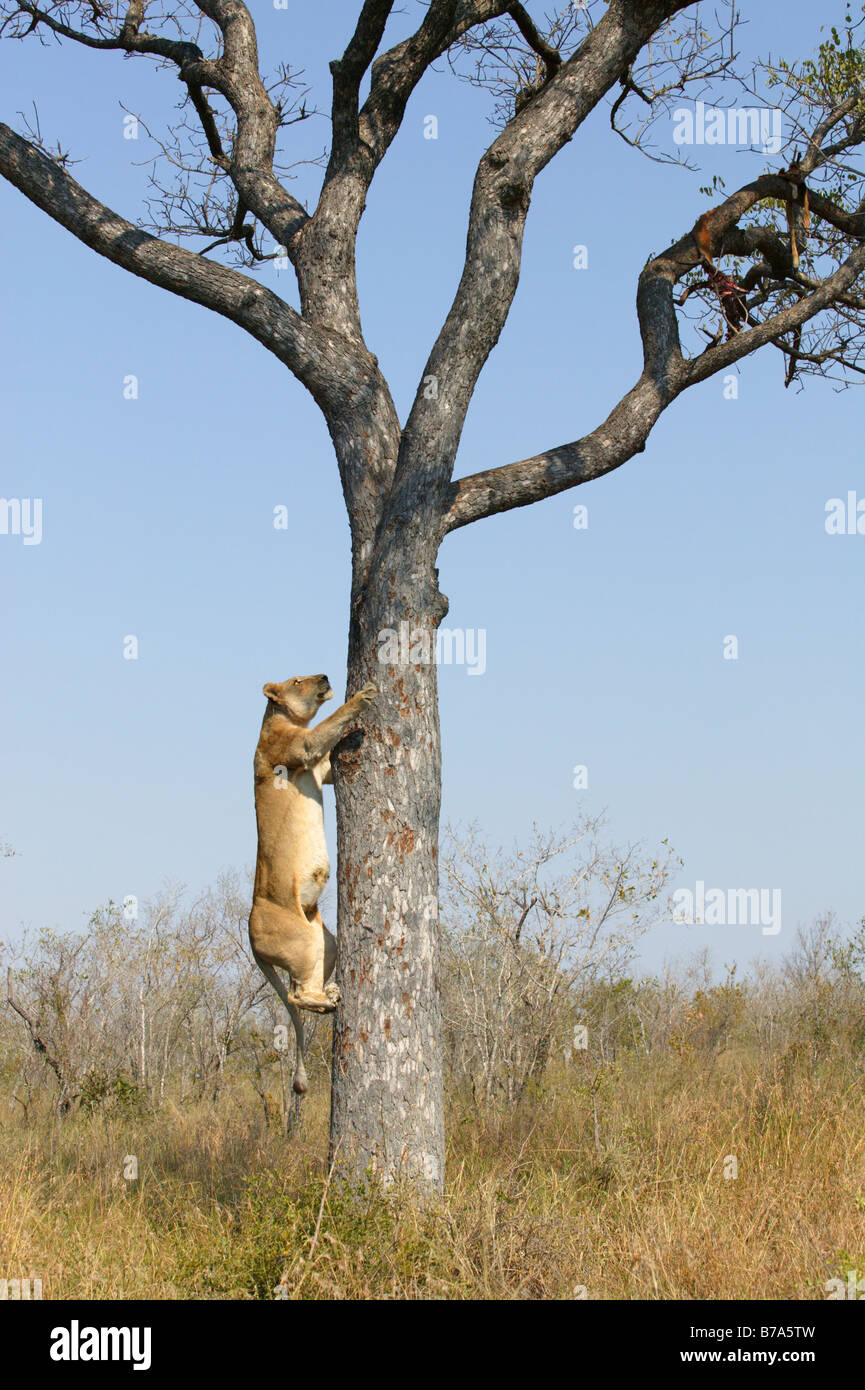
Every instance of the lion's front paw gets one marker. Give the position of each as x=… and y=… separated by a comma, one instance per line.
x=333, y=993
x=367, y=694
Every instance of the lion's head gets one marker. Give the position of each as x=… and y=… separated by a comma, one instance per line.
x=300, y=698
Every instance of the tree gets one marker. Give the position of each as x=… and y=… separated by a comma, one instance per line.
x=129, y=1006
x=520, y=933
x=398, y=477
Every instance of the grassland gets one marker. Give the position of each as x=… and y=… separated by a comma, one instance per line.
x=622, y=1188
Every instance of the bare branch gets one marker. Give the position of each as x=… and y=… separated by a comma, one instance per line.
x=128, y=40
x=551, y=56
x=310, y=355
x=42, y=1047
x=348, y=73
x=234, y=75
x=666, y=373
x=500, y=203
x=361, y=141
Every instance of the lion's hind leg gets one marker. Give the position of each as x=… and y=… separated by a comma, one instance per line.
x=331, y=988
x=292, y=941
x=300, y=1084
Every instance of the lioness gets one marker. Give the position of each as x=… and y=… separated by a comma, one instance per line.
x=292, y=762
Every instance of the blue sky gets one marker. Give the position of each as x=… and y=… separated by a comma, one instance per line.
x=603, y=647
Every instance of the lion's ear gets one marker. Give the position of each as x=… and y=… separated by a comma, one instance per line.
x=270, y=691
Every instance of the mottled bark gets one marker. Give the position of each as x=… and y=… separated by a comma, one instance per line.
x=387, y=1110
x=387, y=1107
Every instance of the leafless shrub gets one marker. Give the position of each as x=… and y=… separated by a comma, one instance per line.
x=523, y=935
x=128, y=1007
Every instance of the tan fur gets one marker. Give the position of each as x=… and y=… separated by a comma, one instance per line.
x=798, y=210
x=292, y=761
x=701, y=233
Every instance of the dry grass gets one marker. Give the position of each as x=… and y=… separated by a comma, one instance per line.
x=623, y=1194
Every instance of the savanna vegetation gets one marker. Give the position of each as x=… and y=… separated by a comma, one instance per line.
x=610, y=1135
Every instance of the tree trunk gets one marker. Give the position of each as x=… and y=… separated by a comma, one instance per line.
x=387, y=1115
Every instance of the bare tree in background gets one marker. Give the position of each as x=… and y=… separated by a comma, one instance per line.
x=137, y=1006
x=520, y=932
x=225, y=185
